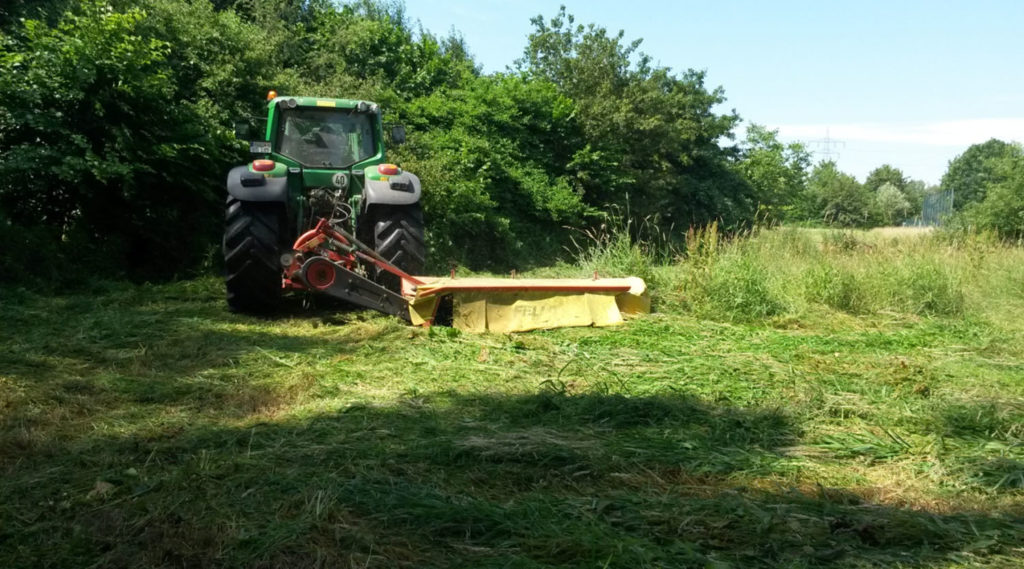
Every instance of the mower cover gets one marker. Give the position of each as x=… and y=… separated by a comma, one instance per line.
x=515, y=305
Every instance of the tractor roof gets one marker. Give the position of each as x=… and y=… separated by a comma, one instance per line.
x=321, y=102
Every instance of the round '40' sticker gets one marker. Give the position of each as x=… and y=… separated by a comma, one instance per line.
x=340, y=180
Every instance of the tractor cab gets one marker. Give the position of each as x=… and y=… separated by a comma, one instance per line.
x=323, y=133
x=321, y=138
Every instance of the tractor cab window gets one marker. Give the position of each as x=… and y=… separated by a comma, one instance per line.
x=326, y=138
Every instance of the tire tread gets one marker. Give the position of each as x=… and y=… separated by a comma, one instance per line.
x=253, y=238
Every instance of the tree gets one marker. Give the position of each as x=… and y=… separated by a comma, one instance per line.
x=1002, y=210
x=915, y=191
x=837, y=198
x=970, y=174
x=371, y=50
x=776, y=171
x=885, y=174
x=650, y=137
x=116, y=115
x=114, y=141
x=891, y=203
x=495, y=155
x=48, y=10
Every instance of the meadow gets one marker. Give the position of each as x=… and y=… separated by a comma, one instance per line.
x=799, y=398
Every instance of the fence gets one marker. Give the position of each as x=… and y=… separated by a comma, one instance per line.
x=937, y=207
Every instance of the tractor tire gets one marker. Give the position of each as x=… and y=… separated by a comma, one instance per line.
x=254, y=237
x=397, y=233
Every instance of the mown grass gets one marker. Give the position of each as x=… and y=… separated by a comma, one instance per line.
x=799, y=399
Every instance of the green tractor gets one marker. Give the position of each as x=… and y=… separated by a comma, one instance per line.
x=321, y=171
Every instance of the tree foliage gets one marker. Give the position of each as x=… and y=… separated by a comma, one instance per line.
x=885, y=174
x=1002, y=209
x=112, y=140
x=970, y=174
x=837, y=197
x=648, y=134
x=11, y=11
x=494, y=154
x=914, y=192
x=116, y=116
x=777, y=172
x=891, y=203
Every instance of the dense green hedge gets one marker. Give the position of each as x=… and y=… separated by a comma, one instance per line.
x=116, y=132
x=115, y=121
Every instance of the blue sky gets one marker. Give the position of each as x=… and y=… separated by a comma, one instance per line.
x=910, y=83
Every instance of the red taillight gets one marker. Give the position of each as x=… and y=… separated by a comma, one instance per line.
x=388, y=170
x=262, y=165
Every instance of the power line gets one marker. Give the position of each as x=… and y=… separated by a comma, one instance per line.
x=828, y=146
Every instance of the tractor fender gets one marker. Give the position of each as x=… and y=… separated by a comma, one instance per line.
x=254, y=187
x=403, y=189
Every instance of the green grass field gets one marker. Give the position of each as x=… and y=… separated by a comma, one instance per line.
x=799, y=399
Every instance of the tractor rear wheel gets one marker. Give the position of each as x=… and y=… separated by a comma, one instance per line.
x=254, y=234
x=397, y=233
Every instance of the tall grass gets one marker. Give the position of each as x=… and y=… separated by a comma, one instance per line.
x=718, y=279
x=789, y=272
x=622, y=247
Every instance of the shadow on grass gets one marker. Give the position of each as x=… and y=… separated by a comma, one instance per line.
x=131, y=357
x=443, y=480
x=456, y=480
x=984, y=441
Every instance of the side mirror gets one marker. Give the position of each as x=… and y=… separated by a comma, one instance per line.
x=242, y=131
x=397, y=134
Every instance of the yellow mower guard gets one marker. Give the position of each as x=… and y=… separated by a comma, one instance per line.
x=516, y=305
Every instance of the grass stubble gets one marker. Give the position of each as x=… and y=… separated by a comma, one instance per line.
x=799, y=398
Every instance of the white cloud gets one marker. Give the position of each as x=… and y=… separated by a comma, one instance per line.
x=961, y=133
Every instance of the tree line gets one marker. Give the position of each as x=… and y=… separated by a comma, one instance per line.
x=116, y=131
